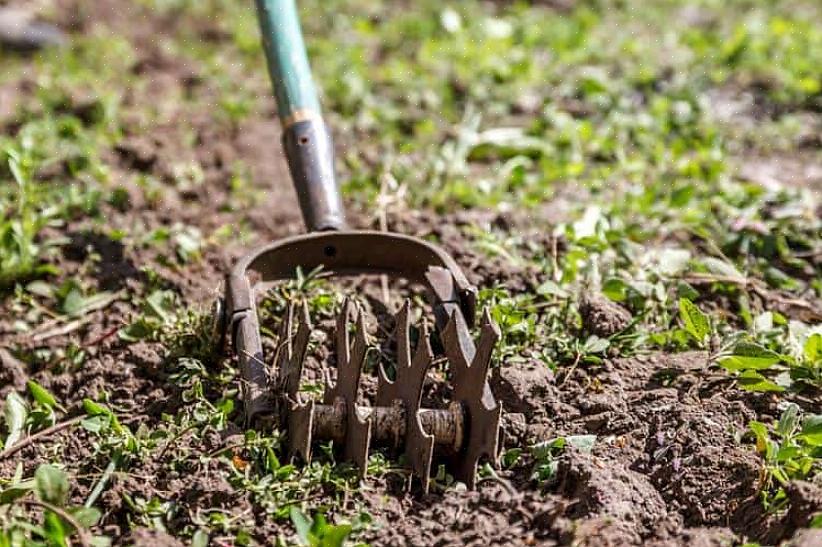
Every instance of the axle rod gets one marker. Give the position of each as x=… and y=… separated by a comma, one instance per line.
x=389, y=423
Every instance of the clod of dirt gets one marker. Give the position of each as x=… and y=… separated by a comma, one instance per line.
x=696, y=463
x=491, y=515
x=141, y=537
x=608, y=489
x=601, y=316
x=147, y=357
x=698, y=537
x=518, y=385
x=808, y=537
x=806, y=501
x=137, y=152
x=12, y=373
x=707, y=483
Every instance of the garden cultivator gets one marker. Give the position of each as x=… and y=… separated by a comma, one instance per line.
x=462, y=431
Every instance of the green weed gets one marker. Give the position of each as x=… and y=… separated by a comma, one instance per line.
x=48, y=492
x=791, y=449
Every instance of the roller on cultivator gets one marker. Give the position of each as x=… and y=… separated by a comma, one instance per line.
x=461, y=431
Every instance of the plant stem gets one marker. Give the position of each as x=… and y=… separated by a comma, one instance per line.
x=39, y=435
x=82, y=533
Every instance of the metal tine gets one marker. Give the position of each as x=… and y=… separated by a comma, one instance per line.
x=350, y=359
x=292, y=350
x=300, y=430
x=407, y=390
x=387, y=390
x=469, y=372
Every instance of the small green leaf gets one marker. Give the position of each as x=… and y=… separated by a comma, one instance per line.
x=615, y=289
x=721, y=267
x=813, y=348
x=811, y=430
x=54, y=530
x=52, y=484
x=161, y=305
x=15, y=412
x=696, y=322
x=583, y=443
x=200, y=538
x=96, y=424
x=511, y=457
x=672, y=261
x=41, y=394
x=87, y=516
x=16, y=491
x=40, y=288
x=788, y=420
x=73, y=303
x=94, y=409
x=549, y=288
x=753, y=381
x=335, y=536
x=103, y=541
x=301, y=524
x=750, y=356
x=760, y=431
x=595, y=344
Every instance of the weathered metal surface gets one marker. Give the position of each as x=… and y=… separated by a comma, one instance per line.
x=463, y=432
x=469, y=370
x=350, y=359
x=406, y=392
x=291, y=350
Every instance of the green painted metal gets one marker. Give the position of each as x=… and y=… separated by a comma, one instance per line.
x=286, y=57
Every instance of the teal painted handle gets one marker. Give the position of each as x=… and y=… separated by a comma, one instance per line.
x=287, y=61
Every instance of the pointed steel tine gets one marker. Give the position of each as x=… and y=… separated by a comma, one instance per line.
x=358, y=428
x=483, y=442
x=357, y=439
x=350, y=358
x=423, y=354
x=286, y=323
x=300, y=427
x=254, y=372
x=300, y=342
x=403, y=335
x=283, y=342
x=342, y=348
x=384, y=386
x=299, y=345
x=458, y=353
x=486, y=317
x=387, y=389
x=472, y=392
x=489, y=336
x=342, y=338
x=360, y=346
x=419, y=450
x=407, y=388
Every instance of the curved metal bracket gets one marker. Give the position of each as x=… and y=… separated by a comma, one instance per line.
x=353, y=252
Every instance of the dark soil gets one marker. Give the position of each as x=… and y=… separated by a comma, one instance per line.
x=667, y=468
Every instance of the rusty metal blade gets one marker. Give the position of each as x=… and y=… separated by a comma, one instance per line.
x=350, y=359
x=469, y=368
x=291, y=351
x=407, y=388
x=300, y=427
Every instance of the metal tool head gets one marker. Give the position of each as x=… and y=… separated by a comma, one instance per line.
x=465, y=429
